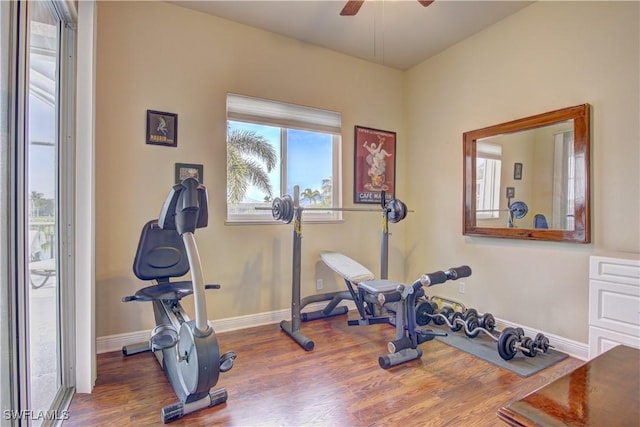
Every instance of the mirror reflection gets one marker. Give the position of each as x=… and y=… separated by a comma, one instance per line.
x=529, y=178
x=526, y=179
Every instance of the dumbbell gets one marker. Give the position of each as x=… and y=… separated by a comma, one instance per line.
x=513, y=339
x=485, y=321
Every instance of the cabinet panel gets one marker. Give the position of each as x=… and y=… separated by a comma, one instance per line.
x=615, y=307
x=601, y=340
x=614, y=302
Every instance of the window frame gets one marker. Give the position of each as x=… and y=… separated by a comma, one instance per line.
x=286, y=187
x=491, y=154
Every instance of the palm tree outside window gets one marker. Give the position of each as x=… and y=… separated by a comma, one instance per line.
x=271, y=147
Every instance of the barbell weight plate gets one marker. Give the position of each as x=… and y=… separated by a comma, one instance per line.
x=472, y=325
x=519, y=332
x=282, y=209
x=541, y=342
x=469, y=313
x=529, y=348
x=487, y=321
x=519, y=209
x=396, y=210
x=445, y=311
x=507, y=344
x=456, y=326
x=424, y=310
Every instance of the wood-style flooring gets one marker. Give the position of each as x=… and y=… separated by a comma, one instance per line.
x=274, y=382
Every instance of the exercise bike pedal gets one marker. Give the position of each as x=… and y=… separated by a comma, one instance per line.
x=226, y=361
x=163, y=337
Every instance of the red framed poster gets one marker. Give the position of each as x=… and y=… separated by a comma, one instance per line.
x=375, y=165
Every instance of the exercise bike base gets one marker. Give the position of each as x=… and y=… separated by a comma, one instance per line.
x=178, y=410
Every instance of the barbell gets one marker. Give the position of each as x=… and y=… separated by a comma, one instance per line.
x=283, y=209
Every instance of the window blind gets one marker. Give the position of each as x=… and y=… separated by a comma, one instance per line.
x=489, y=150
x=254, y=110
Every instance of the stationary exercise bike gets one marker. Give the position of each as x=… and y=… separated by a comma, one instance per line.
x=186, y=349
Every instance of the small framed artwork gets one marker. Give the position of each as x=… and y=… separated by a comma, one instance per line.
x=188, y=170
x=517, y=171
x=162, y=128
x=374, y=165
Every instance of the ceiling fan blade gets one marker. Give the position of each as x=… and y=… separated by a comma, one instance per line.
x=425, y=3
x=351, y=8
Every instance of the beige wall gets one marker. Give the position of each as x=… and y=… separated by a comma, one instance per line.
x=548, y=56
x=154, y=55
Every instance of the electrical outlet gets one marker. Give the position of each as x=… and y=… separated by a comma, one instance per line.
x=461, y=287
x=319, y=284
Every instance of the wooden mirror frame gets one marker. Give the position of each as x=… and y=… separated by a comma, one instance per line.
x=581, y=125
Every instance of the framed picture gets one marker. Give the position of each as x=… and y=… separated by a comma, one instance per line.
x=375, y=165
x=511, y=192
x=186, y=170
x=162, y=128
x=517, y=171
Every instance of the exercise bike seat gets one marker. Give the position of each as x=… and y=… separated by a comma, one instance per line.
x=160, y=256
x=168, y=291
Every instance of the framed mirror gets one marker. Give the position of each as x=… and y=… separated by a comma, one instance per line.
x=529, y=178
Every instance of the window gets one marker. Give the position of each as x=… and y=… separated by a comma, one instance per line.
x=488, y=169
x=564, y=182
x=273, y=146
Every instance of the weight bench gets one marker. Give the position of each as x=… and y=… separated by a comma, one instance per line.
x=396, y=302
x=364, y=290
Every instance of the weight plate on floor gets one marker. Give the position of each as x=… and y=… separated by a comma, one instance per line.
x=487, y=321
x=468, y=313
x=541, y=342
x=424, y=310
x=453, y=319
x=528, y=347
x=507, y=344
x=472, y=327
x=439, y=320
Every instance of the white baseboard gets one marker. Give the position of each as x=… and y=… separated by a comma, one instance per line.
x=116, y=342
x=572, y=348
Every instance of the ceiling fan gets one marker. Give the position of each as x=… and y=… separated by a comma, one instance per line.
x=353, y=6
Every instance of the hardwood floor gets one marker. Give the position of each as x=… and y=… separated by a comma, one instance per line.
x=339, y=383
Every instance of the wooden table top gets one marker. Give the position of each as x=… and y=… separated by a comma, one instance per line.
x=603, y=392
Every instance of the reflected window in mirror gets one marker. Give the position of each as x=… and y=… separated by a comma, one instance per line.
x=564, y=176
x=529, y=178
x=488, y=172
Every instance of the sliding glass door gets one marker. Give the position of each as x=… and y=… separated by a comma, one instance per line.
x=6, y=330
x=43, y=290
x=37, y=146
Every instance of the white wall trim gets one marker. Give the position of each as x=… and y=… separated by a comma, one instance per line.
x=572, y=348
x=85, y=339
x=116, y=342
